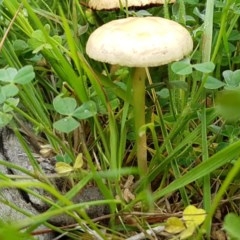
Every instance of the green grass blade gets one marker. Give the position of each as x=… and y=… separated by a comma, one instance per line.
x=204, y=168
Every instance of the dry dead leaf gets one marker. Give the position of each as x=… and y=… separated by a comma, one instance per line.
x=127, y=195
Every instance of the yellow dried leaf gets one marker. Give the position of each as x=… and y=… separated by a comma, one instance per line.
x=188, y=232
x=78, y=162
x=62, y=168
x=193, y=216
x=174, y=225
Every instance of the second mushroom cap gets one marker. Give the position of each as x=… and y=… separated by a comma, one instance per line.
x=111, y=4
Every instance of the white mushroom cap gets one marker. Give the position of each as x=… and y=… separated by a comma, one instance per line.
x=111, y=4
x=139, y=42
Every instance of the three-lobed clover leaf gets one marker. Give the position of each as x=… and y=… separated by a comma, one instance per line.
x=5, y=113
x=64, y=106
x=206, y=67
x=7, y=75
x=67, y=106
x=39, y=39
x=86, y=110
x=22, y=76
x=232, y=79
x=11, y=77
x=5, y=118
x=213, y=83
x=66, y=125
x=184, y=67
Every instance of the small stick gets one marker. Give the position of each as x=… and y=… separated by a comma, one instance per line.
x=152, y=231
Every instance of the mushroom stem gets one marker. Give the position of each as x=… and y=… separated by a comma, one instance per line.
x=138, y=86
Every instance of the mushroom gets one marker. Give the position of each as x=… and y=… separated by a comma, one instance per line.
x=106, y=4
x=139, y=42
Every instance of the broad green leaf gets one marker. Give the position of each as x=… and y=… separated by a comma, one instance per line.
x=86, y=110
x=232, y=78
x=64, y=158
x=5, y=119
x=199, y=13
x=213, y=83
x=122, y=73
x=206, y=67
x=228, y=75
x=47, y=28
x=65, y=105
x=20, y=45
x=2, y=96
x=12, y=101
x=114, y=103
x=234, y=35
x=7, y=75
x=10, y=90
x=38, y=41
x=232, y=225
x=24, y=75
x=228, y=104
x=57, y=38
x=181, y=68
x=163, y=93
x=39, y=36
x=42, y=47
x=66, y=125
x=190, y=18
